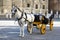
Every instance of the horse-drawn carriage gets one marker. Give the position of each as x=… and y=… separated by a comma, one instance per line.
x=40, y=22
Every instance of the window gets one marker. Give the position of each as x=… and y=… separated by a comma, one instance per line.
x=43, y=0
x=36, y=6
x=28, y=5
x=43, y=6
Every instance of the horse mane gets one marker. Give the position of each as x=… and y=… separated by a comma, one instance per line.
x=18, y=8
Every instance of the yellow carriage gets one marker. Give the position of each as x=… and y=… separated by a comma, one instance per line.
x=40, y=25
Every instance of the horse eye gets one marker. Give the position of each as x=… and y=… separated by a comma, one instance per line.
x=15, y=10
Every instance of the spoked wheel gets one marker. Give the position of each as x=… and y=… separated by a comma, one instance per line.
x=28, y=28
x=51, y=25
x=43, y=29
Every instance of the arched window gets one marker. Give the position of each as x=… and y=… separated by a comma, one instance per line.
x=43, y=0
x=28, y=5
x=36, y=6
x=43, y=6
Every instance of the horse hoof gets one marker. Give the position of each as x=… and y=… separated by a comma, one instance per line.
x=23, y=36
x=30, y=33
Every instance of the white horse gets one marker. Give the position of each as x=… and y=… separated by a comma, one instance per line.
x=22, y=19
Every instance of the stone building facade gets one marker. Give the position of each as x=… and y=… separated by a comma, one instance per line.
x=5, y=6
x=28, y=6
x=54, y=5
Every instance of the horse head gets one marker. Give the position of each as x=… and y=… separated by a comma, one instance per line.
x=14, y=10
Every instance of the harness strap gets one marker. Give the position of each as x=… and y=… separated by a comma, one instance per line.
x=21, y=16
x=26, y=16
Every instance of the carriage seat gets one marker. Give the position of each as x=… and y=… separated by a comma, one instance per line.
x=36, y=18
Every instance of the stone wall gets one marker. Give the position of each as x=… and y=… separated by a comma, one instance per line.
x=54, y=5
x=5, y=6
x=35, y=6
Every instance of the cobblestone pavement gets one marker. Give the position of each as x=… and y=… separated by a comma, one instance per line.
x=13, y=34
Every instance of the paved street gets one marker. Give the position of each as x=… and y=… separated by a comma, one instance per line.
x=13, y=34
x=13, y=10
x=8, y=32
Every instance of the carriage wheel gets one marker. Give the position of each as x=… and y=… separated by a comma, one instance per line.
x=43, y=29
x=51, y=25
x=28, y=28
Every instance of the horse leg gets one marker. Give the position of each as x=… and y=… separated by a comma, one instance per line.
x=23, y=29
x=31, y=24
x=20, y=31
x=20, y=24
